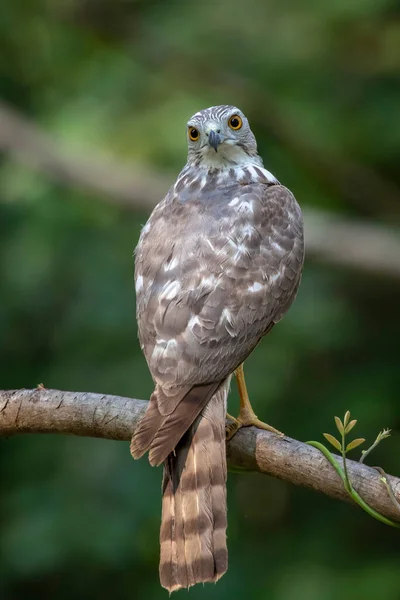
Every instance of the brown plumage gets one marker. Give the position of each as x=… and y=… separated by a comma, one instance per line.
x=162, y=427
x=217, y=265
x=193, y=524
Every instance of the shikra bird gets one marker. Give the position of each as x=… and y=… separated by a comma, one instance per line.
x=218, y=263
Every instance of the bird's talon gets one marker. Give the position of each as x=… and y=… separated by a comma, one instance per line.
x=231, y=428
x=255, y=422
x=246, y=419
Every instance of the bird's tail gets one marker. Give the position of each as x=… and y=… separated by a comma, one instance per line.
x=193, y=525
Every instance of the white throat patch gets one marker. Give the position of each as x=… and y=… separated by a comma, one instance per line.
x=233, y=157
x=227, y=155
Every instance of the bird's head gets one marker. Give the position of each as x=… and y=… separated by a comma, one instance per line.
x=220, y=137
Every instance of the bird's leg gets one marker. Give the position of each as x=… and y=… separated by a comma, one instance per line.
x=247, y=416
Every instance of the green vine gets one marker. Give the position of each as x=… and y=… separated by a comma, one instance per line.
x=343, y=447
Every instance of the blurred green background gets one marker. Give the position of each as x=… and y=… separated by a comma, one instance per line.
x=113, y=82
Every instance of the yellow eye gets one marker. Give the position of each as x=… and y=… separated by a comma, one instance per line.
x=235, y=122
x=193, y=134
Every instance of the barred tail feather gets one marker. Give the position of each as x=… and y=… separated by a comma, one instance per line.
x=194, y=521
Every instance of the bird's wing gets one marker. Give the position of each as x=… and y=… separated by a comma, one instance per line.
x=212, y=279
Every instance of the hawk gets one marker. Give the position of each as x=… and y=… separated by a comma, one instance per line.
x=218, y=263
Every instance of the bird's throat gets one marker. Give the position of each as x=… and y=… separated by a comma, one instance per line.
x=226, y=156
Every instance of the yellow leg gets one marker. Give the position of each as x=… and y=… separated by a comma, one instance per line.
x=247, y=416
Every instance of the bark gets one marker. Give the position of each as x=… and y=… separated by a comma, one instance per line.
x=115, y=417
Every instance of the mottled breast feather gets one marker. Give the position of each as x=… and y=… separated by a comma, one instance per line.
x=217, y=264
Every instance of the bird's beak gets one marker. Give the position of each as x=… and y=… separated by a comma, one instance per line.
x=214, y=139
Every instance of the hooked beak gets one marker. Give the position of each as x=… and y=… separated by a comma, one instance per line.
x=214, y=139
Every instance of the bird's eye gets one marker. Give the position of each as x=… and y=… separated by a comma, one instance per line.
x=193, y=134
x=235, y=122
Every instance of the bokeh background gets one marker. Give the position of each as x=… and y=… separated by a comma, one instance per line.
x=95, y=95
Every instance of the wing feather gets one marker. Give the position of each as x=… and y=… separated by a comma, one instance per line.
x=230, y=272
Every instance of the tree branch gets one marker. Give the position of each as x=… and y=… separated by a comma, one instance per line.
x=115, y=417
x=369, y=247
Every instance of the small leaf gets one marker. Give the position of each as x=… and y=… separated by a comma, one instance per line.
x=384, y=434
x=350, y=426
x=339, y=425
x=346, y=418
x=332, y=440
x=354, y=444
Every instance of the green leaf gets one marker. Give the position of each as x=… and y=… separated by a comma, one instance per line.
x=354, y=444
x=350, y=426
x=339, y=425
x=349, y=488
x=332, y=440
x=346, y=418
x=385, y=433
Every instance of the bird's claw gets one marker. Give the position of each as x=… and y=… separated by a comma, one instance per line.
x=247, y=419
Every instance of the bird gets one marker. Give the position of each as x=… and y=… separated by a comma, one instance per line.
x=217, y=265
